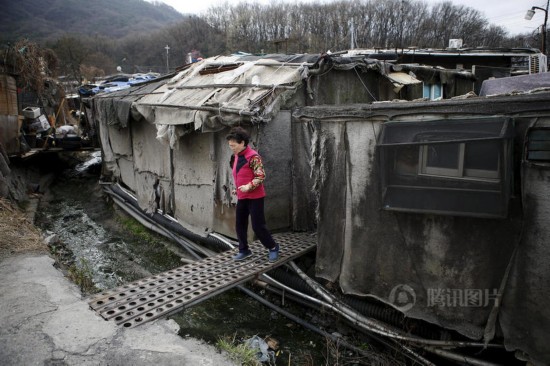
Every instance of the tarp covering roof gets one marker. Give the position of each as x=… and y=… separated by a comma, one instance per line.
x=514, y=84
x=215, y=92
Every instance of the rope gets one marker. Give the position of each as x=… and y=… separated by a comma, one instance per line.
x=361, y=80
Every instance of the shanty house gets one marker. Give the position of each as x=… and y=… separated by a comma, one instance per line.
x=435, y=208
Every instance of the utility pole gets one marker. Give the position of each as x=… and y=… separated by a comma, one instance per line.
x=352, y=32
x=529, y=16
x=167, y=56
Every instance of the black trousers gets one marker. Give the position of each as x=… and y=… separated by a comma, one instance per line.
x=255, y=209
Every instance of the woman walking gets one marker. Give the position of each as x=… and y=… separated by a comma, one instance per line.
x=249, y=175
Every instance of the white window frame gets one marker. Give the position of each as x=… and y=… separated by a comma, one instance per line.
x=460, y=172
x=432, y=91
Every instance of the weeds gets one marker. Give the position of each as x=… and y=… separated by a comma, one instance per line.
x=239, y=353
x=82, y=275
x=137, y=229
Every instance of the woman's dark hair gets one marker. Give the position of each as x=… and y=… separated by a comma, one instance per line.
x=238, y=134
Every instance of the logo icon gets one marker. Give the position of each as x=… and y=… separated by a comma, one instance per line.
x=402, y=297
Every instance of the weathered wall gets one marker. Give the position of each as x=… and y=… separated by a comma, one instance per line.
x=8, y=95
x=444, y=269
x=120, y=142
x=127, y=172
x=274, y=145
x=202, y=179
x=224, y=201
x=525, y=315
x=194, y=177
x=303, y=197
x=151, y=162
x=348, y=87
x=369, y=251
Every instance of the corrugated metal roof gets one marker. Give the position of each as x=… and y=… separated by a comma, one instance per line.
x=402, y=78
x=208, y=89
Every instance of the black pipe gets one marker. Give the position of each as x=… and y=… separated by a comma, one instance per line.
x=371, y=336
x=394, y=317
x=312, y=327
x=209, y=242
x=370, y=309
x=367, y=308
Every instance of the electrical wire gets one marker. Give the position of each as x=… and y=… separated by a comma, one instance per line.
x=361, y=80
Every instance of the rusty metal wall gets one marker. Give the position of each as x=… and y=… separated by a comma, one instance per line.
x=8, y=96
x=9, y=126
x=9, y=133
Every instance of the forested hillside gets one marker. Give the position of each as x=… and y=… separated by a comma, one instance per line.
x=91, y=38
x=48, y=20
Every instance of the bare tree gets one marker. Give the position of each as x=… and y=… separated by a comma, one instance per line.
x=71, y=52
x=314, y=27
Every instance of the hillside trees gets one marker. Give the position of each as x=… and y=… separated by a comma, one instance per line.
x=317, y=27
x=72, y=53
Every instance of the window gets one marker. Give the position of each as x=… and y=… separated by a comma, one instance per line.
x=433, y=91
x=538, y=145
x=472, y=160
x=453, y=167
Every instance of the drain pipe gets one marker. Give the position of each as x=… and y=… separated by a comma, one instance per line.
x=226, y=243
x=458, y=357
x=150, y=224
x=374, y=326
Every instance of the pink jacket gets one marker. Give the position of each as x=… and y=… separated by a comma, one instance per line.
x=243, y=174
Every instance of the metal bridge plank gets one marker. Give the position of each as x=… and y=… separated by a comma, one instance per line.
x=171, y=291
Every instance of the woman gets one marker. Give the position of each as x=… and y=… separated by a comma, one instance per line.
x=249, y=175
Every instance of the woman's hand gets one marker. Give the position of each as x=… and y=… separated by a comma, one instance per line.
x=245, y=188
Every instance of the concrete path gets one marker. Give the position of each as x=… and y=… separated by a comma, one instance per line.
x=45, y=321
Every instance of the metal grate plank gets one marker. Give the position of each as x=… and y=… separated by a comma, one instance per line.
x=168, y=292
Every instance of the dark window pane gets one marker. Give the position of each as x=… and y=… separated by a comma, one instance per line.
x=482, y=155
x=406, y=160
x=443, y=156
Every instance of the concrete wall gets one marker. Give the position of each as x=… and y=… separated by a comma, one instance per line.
x=194, y=177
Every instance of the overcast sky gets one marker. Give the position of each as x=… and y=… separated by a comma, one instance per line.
x=506, y=13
